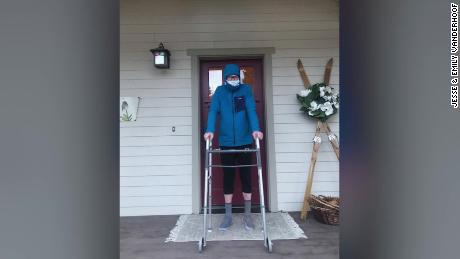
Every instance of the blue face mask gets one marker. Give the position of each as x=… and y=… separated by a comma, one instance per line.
x=234, y=83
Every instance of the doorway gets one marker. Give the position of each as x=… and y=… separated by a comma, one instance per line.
x=251, y=72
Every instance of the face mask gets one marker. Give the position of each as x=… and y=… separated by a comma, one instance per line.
x=234, y=83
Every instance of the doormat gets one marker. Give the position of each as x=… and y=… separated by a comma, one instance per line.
x=280, y=225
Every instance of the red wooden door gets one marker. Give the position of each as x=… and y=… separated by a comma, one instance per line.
x=210, y=77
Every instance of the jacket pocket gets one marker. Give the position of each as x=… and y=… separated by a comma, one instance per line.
x=240, y=103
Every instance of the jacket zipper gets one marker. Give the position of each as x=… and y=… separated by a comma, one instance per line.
x=233, y=111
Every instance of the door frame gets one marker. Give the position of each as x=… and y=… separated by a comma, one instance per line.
x=257, y=63
x=227, y=53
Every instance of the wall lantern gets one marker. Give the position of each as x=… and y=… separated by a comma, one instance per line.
x=161, y=56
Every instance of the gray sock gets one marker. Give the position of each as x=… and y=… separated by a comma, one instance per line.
x=228, y=209
x=247, y=207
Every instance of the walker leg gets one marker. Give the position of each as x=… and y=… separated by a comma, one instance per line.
x=205, y=209
x=200, y=245
x=202, y=242
x=210, y=192
x=269, y=245
x=267, y=241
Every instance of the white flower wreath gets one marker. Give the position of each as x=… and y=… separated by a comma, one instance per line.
x=319, y=101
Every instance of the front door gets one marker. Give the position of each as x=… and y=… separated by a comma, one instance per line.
x=210, y=77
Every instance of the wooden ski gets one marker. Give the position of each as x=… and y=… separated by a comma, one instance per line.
x=333, y=139
x=311, y=170
x=327, y=72
x=303, y=74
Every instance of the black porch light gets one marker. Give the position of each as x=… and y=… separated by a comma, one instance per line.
x=161, y=56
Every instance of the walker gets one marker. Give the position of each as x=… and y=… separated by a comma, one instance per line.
x=207, y=200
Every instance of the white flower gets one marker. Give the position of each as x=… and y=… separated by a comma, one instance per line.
x=321, y=91
x=327, y=108
x=336, y=104
x=313, y=106
x=327, y=97
x=324, y=106
x=328, y=89
x=304, y=93
x=317, y=139
x=332, y=137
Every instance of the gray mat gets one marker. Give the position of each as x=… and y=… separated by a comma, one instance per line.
x=280, y=225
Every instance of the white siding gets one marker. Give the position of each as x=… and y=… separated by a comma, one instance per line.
x=156, y=162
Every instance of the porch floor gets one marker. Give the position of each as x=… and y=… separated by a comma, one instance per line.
x=143, y=237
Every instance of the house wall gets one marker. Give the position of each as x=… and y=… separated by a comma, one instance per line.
x=156, y=163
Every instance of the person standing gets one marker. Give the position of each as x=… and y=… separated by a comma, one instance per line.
x=239, y=127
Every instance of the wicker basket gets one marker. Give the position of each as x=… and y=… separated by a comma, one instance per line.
x=325, y=209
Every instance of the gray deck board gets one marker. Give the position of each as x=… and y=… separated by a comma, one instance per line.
x=143, y=237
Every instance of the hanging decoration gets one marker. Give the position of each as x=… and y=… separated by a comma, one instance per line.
x=319, y=102
x=128, y=108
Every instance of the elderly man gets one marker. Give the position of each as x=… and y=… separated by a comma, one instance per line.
x=239, y=125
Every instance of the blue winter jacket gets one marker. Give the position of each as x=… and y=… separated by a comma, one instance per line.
x=237, y=110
